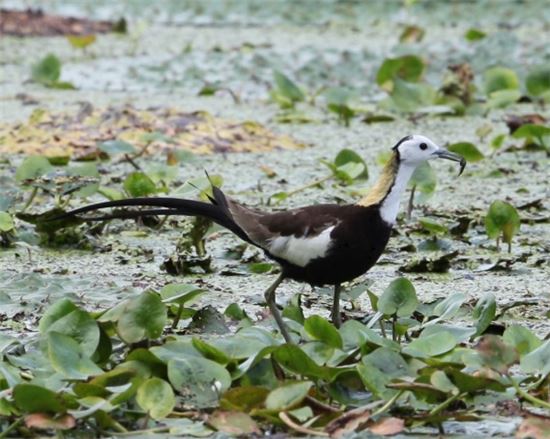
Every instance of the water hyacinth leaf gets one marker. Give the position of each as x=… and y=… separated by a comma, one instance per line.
x=198, y=380
x=484, y=312
x=244, y=398
x=81, y=41
x=473, y=34
x=287, y=396
x=387, y=360
x=433, y=226
x=398, y=298
x=538, y=80
x=85, y=170
x=533, y=133
x=47, y=70
x=338, y=101
x=156, y=397
x=409, y=97
x=375, y=381
x=407, y=68
x=346, y=156
x=286, y=93
x=500, y=78
x=467, y=150
x=6, y=222
x=496, y=354
x=503, y=98
x=441, y=381
x=431, y=345
x=113, y=147
x=210, y=352
x=424, y=180
x=180, y=293
x=143, y=317
x=139, y=184
x=521, y=338
x=33, y=399
x=80, y=326
x=294, y=359
x=55, y=312
x=32, y=167
x=68, y=358
x=320, y=329
x=502, y=219
x=537, y=361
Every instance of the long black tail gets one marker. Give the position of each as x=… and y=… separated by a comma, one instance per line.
x=171, y=206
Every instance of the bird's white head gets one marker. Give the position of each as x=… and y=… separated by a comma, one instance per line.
x=415, y=149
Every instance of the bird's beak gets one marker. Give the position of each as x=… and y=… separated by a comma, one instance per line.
x=443, y=153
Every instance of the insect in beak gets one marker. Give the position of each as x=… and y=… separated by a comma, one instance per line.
x=446, y=154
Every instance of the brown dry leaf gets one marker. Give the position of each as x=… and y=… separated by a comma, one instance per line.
x=234, y=423
x=514, y=122
x=387, y=426
x=158, y=129
x=534, y=427
x=348, y=422
x=45, y=422
x=37, y=23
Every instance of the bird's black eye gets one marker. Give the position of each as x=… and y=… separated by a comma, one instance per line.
x=423, y=146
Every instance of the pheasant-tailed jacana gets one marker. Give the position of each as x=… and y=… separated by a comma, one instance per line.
x=324, y=244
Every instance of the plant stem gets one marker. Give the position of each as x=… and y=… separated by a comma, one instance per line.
x=388, y=404
x=178, y=317
x=382, y=329
x=29, y=201
x=445, y=404
x=410, y=205
x=14, y=425
x=529, y=397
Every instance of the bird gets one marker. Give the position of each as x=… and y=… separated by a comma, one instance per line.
x=322, y=244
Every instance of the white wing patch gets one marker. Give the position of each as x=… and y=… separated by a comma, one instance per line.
x=299, y=251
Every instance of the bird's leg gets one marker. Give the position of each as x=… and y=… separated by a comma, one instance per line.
x=270, y=300
x=335, y=313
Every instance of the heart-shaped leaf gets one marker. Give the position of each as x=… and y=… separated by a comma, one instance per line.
x=399, y=298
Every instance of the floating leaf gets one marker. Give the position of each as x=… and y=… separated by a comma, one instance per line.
x=180, y=293
x=199, y=381
x=286, y=93
x=156, y=397
x=433, y=226
x=287, y=396
x=408, y=68
x=48, y=71
x=399, y=298
x=338, y=101
x=424, y=180
x=81, y=41
x=412, y=34
x=319, y=329
x=473, y=34
x=32, y=167
x=502, y=219
x=139, y=184
x=347, y=156
x=233, y=423
x=500, y=78
x=6, y=222
x=537, y=361
x=113, y=147
x=142, y=317
x=538, y=80
x=32, y=399
x=533, y=132
x=430, y=345
x=467, y=150
x=68, y=357
x=409, y=97
x=295, y=359
x=521, y=338
x=503, y=98
x=484, y=312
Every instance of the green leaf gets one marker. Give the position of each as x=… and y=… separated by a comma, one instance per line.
x=409, y=97
x=521, y=338
x=320, y=329
x=500, y=78
x=424, y=179
x=47, y=71
x=234, y=423
x=467, y=150
x=85, y=170
x=210, y=352
x=180, y=293
x=502, y=218
x=77, y=324
x=286, y=92
x=139, y=184
x=244, y=398
x=113, y=147
x=537, y=361
x=440, y=381
x=287, y=396
x=32, y=167
x=198, y=380
x=143, y=317
x=408, y=68
x=156, y=397
x=338, y=101
x=431, y=345
x=412, y=34
x=532, y=132
x=387, y=361
x=346, y=156
x=538, y=80
x=81, y=41
x=375, y=380
x=68, y=357
x=399, y=298
x=473, y=34
x=433, y=226
x=503, y=98
x=36, y=399
x=484, y=312
x=294, y=359
x=6, y=222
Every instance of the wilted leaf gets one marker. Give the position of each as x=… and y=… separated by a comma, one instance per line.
x=534, y=427
x=412, y=34
x=350, y=421
x=81, y=41
x=496, y=354
x=233, y=423
x=244, y=398
x=387, y=426
x=521, y=338
x=43, y=421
